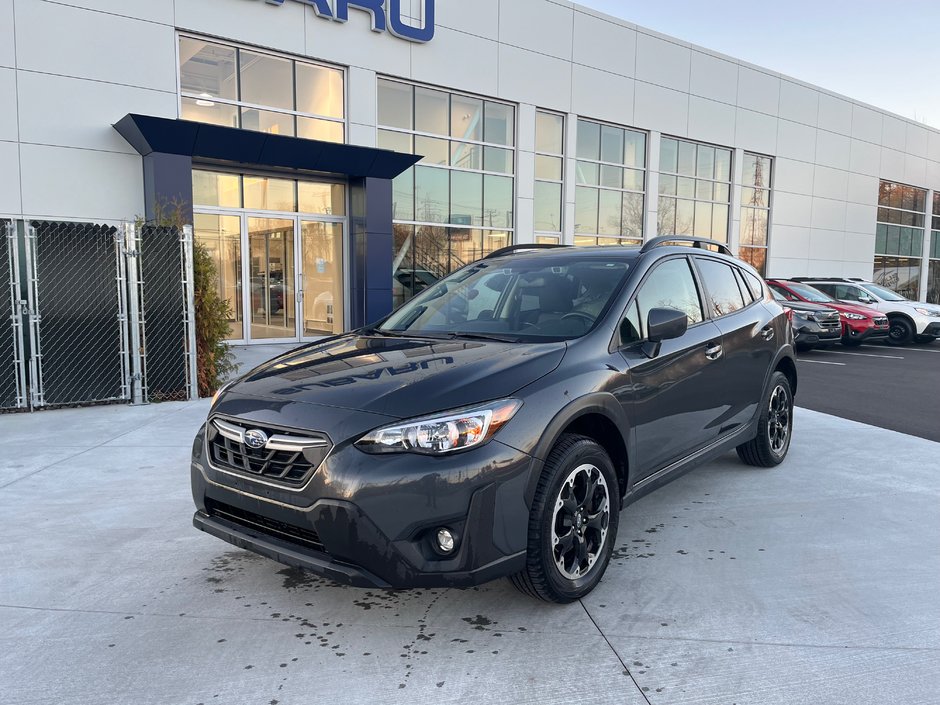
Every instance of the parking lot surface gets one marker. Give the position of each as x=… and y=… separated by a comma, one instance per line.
x=811, y=583
x=896, y=388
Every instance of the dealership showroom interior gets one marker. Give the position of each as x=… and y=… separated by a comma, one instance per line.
x=430, y=351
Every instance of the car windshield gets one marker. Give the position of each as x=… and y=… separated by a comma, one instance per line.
x=533, y=300
x=882, y=293
x=810, y=294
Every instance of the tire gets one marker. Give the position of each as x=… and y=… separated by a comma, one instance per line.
x=774, y=428
x=560, y=506
x=901, y=333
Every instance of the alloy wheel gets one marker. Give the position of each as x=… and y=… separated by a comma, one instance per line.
x=778, y=419
x=580, y=522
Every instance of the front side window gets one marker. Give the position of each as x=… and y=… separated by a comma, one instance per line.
x=611, y=185
x=670, y=285
x=755, y=210
x=722, y=293
x=253, y=90
x=882, y=293
x=899, y=237
x=521, y=301
x=694, y=189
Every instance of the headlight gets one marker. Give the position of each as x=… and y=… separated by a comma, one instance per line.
x=442, y=433
x=928, y=312
x=853, y=316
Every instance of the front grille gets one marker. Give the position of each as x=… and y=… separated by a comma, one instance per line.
x=290, y=467
x=308, y=538
x=829, y=321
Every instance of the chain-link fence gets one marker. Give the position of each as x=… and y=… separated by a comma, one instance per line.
x=164, y=315
x=12, y=368
x=78, y=307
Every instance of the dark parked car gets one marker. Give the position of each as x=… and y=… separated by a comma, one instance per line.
x=813, y=325
x=497, y=423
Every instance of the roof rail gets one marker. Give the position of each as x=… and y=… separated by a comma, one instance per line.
x=519, y=248
x=698, y=242
x=819, y=279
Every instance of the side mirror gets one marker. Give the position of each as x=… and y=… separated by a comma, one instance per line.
x=663, y=324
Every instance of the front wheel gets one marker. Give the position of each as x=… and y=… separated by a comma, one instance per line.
x=572, y=524
x=901, y=332
x=774, y=428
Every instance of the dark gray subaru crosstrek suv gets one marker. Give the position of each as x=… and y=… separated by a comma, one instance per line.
x=497, y=423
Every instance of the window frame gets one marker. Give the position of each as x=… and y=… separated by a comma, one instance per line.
x=239, y=105
x=564, y=173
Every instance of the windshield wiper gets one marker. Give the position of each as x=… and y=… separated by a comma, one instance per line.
x=481, y=336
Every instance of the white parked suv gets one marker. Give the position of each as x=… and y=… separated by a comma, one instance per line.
x=910, y=320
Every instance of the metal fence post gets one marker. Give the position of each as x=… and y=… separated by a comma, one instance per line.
x=189, y=291
x=32, y=303
x=131, y=255
x=18, y=309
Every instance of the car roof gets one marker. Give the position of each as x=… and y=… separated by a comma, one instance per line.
x=611, y=253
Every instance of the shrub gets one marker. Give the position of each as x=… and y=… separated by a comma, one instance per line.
x=214, y=359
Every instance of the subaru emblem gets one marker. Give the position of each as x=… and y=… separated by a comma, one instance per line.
x=256, y=439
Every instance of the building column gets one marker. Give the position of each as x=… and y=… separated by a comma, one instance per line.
x=651, y=225
x=525, y=176
x=370, y=250
x=362, y=113
x=168, y=186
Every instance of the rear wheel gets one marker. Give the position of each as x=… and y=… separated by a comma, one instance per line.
x=902, y=332
x=774, y=428
x=572, y=524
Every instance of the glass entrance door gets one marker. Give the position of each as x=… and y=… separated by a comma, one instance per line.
x=271, y=276
x=321, y=278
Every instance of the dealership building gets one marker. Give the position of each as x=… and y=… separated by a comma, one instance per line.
x=335, y=157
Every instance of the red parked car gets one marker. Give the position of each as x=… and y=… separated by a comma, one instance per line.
x=858, y=323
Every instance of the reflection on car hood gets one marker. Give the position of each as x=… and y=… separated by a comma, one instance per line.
x=807, y=307
x=400, y=377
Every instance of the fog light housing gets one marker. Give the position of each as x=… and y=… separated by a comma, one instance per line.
x=446, y=542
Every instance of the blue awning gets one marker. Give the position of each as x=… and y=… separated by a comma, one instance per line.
x=229, y=145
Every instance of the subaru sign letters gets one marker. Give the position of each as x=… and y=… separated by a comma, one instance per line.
x=382, y=20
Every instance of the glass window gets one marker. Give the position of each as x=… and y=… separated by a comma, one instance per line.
x=694, y=189
x=549, y=133
x=466, y=198
x=549, y=172
x=321, y=198
x=899, y=237
x=432, y=194
x=466, y=118
x=220, y=235
x=499, y=123
x=497, y=201
x=265, y=80
x=755, y=210
x=263, y=193
x=255, y=90
x=547, y=206
x=396, y=104
x=670, y=285
x=432, y=111
x=605, y=152
x=211, y=188
x=630, y=328
x=722, y=294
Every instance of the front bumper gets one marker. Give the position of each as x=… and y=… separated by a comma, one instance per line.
x=866, y=333
x=370, y=521
x=932, y=329
x=813, y=334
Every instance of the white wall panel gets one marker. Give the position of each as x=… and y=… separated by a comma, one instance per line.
x=755, y=131
x=894, y=133
x=782, y=267
x=661, y=109
x=525, y=118
x=361, y=95
x=863, y=270
x=527, y=77
x=866, y=124
x=525, y=173
x=713, y=77
x=602, y=95
x=789, y=241
x=56, y=184
x=477, y=17
x=64, y=40
x=758, y=91
x=826, y=245
x=865, y=158
x=793, y=177
x=859, y=247
x=352, y=44
x=796, y=140
x=824, y=268
x=828, y=214
x=798, y=103
x=444, y=62
x=8, y=127
x=917, y=140
x=89, y=119
x=543, y=27
x=663, y=63
x=915, y=170
x=711, y=121
x=933, y=175
x=833, y=150
x=362, y=135
x=263, y=24
x=793, y=209
x=830, y=183
x=933, y=146
x=10, y=179
x=7, y=53
x=859, y=218
x=151, y=10
x=892, y=164
x=604, y=45
x=835, y=114
x=862, y=189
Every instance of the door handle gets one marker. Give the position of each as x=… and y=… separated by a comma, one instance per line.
x=713, y=351
x=767, y=333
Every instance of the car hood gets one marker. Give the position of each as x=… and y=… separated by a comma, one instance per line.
x=807, y=307
x=866, y=311
x=399, y=377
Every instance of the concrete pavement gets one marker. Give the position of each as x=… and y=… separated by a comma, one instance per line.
x=814, y=582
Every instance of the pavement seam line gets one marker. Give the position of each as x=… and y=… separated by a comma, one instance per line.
x=784, y=644
x=626, y=670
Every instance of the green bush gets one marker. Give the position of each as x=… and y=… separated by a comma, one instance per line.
x=214, y=359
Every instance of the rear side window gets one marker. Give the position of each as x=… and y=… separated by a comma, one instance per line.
x=754, y=284
x=748, y=294
x=847, y=293
x=722, y=294
x=670, y=285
